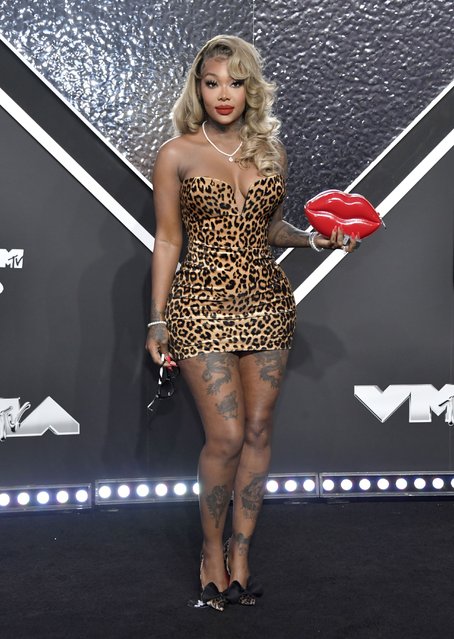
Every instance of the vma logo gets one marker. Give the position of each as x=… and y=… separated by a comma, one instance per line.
x=424, y=399
x=11, y=259
x=47, y=416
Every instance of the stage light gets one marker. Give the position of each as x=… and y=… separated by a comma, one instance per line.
x=309, y=485
x=180, y=489
x=346, y=484
x=23, y=499
x=82, y=496
x=388, y=484
x=280, y=486
x=62, y=496
x=105, y=492
x=145, y=490
x=290, y=485
x=272, y=486
x=383, y=483
x=43, y=497
x=187, y=489
x=4, y=499
x=328, y=485
x=142, y=490
x=123, y=491
x=39, y=498
x=161, y=490
x=420, y=483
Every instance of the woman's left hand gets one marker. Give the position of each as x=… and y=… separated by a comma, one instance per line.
x=337, y=241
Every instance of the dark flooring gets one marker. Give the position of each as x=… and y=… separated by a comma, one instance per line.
x=359, y=570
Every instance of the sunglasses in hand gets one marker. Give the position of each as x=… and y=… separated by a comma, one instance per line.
x=166, y=387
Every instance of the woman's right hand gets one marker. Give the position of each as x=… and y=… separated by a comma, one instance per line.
x=157, y=344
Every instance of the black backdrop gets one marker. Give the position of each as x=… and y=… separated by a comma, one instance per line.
x=72, y=319
x=72, y=327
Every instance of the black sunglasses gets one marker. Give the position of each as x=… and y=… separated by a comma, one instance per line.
x=166, y=388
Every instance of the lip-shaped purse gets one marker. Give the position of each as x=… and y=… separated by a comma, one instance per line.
x=349, y=211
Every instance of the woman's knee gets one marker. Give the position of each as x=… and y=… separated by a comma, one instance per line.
x=258, y=431
x=226, y=446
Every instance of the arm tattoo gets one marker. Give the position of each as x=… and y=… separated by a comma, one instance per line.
x=217, y=370
x=252, y=496
x=272, y=366
x=289, y=236
x=228, y=407
x=154, y=313
x=242, y=542
x=158, y=331
x=217, y=501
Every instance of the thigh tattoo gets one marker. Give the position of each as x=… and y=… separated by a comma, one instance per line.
x=217, y=370
x=271, y=366
x=228, y=407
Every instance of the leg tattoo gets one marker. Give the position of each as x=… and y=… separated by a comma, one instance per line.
x=217, y=370
x=272, y=366
x=252, y=496
x=242, y=542
x=228, y=407
x=217, y=502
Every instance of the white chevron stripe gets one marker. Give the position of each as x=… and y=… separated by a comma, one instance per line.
x=87, y=123
x=379, y=158
x=147, y=239
x=76, y=170
x=383, y=208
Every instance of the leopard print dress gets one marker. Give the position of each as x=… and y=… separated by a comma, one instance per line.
x=229, y=294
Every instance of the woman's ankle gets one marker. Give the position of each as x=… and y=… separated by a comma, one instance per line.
x=239, y=546
x=212, y=570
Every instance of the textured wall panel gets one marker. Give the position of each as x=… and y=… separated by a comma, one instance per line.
x=351, y=74
x=121, y=64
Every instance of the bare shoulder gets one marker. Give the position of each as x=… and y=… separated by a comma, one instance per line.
x=179, y=144
x=170, y=148
x=173, y=154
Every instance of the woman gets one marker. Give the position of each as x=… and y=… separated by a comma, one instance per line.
x=228, y=316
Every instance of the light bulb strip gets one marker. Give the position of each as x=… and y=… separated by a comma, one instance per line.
x=387, y=484
x=174, y=489
x=145, y=490
x=45, y=497
x=296, y=487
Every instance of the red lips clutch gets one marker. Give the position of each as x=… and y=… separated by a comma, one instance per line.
x=349, y=211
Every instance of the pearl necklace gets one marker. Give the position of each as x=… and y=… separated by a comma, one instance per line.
x=228, y=155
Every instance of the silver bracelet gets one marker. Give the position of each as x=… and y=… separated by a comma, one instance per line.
x=312, y=243
x=157, y=322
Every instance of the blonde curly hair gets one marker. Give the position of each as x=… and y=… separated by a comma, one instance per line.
x=259, y=130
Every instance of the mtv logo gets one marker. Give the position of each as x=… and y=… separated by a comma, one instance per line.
x=11, y=259
x=423, y=400
x=47, y=416
x=10, y=415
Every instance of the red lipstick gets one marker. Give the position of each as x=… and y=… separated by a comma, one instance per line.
x=224, y=110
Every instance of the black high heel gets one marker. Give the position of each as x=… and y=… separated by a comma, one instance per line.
x=211, y=595
x=235, y=593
